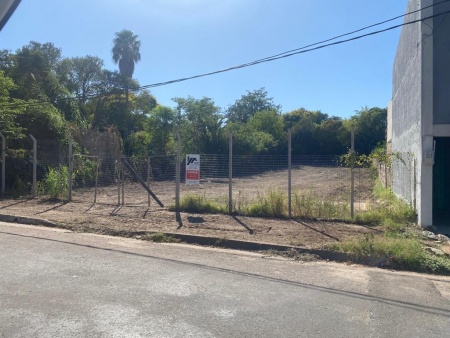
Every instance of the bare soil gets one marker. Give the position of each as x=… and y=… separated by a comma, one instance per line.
x=137, y=214
x=102, y=218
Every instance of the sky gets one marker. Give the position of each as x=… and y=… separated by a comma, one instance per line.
x=181, y=38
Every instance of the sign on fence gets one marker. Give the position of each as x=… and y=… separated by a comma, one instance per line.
x=193, y=169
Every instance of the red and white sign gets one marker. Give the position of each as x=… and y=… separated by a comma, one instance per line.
x=193, y=169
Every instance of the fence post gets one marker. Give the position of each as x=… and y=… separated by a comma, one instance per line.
x=123, y=181
x=352, y=158
x=177, y=172
x=3, y=162
x=289, y=173
x=230, y=173
x=119, y=171
x=148, y=179
x=414, y=185
x=70, y=169
x=34, y=190
x=96, y=179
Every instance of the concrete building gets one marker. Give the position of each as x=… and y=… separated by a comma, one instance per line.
x=419, y=113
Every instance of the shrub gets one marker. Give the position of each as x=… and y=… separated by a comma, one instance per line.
x=57, y=182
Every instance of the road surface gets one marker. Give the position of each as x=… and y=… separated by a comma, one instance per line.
x=56, y=283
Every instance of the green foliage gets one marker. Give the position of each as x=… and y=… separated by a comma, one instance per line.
x=388, y=209
x=200, y=125
x=199, y=204
x=85, y=170
x=10, y=112
x=57, y=182
x=160, y=126
x=401, y=253
x=160, y=237
x=309, y=206
x=248, y=105
x=126, y=51
x=370, y=128
x=271, y=205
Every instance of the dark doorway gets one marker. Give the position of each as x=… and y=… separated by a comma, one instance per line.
x=441, y=182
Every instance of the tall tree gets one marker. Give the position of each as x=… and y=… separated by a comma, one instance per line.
x=370, y=128
x=251, y=103
x=126, y=53
x=200, y=124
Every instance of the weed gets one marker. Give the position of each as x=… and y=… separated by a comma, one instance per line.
x=388, y=210
x=160, y=237
x=402, y=253
x=199, y=204
x=309, y=206
x=271, y=205
x=57, y=182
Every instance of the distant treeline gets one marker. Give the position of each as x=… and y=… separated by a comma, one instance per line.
x=44, y=94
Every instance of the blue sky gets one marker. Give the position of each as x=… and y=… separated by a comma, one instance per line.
x=181, y=38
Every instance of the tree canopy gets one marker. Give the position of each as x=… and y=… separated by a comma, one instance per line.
x=43, y=93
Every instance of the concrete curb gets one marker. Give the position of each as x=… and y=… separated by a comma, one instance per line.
x=200, y=240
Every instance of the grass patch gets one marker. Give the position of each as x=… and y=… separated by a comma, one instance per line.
x=309, y=206
x=389, y=210
x=160, y=237
x=271, y=205
x=400, y=252
x=199, y=204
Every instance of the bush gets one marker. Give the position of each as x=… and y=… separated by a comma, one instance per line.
x=57, y=182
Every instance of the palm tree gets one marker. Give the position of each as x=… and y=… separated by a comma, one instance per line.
x=125, y=52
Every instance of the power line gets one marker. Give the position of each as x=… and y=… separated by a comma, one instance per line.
x=301, y=50
x=294, y=52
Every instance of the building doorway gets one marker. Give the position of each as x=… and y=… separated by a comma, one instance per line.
x=441, y=182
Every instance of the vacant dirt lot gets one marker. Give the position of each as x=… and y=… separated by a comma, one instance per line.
x=326, y=183
x=105, y=216
x=102, y=218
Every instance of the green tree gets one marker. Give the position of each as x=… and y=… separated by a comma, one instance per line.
x=126, y=52
x=160, y=126
x=247, y=140
x=200, y=124
x=10, y=109
x=270, y=122
x=33, y=69
x=80, y=75
x=332, y=137
x=370, y=128
x=248, y=105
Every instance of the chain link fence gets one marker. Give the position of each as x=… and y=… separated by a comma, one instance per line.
x=306, y=185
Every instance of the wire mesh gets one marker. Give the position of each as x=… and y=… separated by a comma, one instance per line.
x=95, y=179
x=213, y=179
x=50, y=154
x=320, y=185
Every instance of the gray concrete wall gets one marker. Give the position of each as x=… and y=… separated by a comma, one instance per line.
x=407, y=100
x=441, y=58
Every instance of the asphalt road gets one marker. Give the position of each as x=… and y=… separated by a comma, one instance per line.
x=55, y=283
